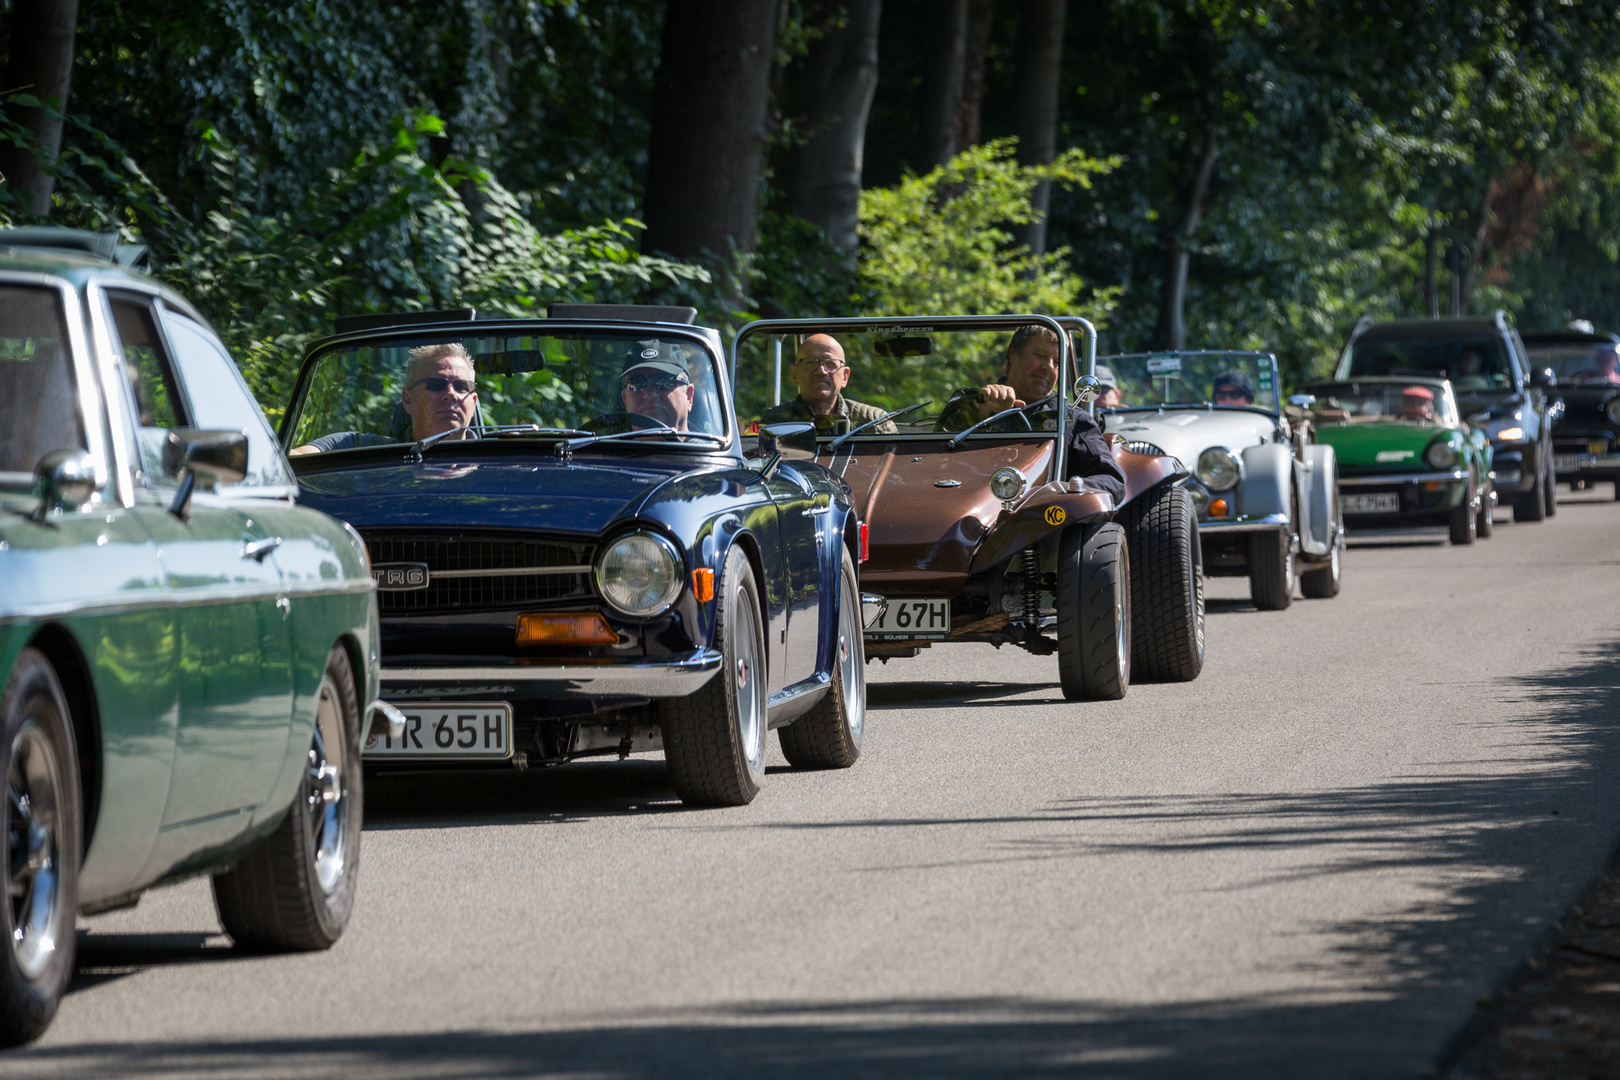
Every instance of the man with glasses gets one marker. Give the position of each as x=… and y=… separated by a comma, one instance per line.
x=820, y=373
x=440, y=395
x=1232, y=388
x=656, y=382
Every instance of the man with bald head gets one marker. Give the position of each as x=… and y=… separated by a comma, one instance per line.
x=820, y=373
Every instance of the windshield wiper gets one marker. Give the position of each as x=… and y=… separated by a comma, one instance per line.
x=489, y=432
x=954, y=443
x=590, y=440
x=848, y=435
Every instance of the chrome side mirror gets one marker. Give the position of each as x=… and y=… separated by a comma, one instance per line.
x=210, y=458
x=64, y=480
x=1302, y=401
x=1087, y=388
x=1479, y=418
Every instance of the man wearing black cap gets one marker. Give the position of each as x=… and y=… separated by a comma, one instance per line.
x=1232, y=388
x=656, y=382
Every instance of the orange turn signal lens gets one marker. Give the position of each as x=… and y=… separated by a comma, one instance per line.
x=703, y=585
x=565, y=628
x=1217, y=508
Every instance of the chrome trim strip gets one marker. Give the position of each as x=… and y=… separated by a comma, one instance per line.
x=518, y=571
x=162, y=597
x=1242, y=524
x=1371, y=480
x=649, y=678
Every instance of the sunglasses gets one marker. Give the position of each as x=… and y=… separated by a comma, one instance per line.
x=641, y=384
x=438, y=384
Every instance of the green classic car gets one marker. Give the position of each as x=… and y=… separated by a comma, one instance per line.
x=1405, y=457
x=186, y=656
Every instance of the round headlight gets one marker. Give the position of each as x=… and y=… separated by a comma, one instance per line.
x=1217, y=468
x=639, y=574
x=1006, y=484
x=1440, y=454
x=1613, y=409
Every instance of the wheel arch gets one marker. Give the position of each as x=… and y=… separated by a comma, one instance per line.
x=73, y=672
x=748, y=544
x=357, y=667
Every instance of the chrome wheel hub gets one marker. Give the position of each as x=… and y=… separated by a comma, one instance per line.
x=750, y=709
x=326, y=796
x=33, y=845
x=851, y=665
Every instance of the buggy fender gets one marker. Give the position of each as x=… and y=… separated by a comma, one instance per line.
x=1320, y=517
x=1047, y=510
x=1268, y=481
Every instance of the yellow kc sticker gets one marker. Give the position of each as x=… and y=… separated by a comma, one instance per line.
x=1054, y=515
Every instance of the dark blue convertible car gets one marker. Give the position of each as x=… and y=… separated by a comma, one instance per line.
x=576, y=553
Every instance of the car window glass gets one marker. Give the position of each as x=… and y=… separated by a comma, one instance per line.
x=38, y=411
x=158, y=403
x=1472, y=364
x=219, y=399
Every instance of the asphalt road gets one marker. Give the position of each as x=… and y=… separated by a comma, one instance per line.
x=1313, y=861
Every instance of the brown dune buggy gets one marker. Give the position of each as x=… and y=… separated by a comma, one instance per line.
x=975, y=532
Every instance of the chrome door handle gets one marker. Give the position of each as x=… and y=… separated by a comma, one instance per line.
x=258, y=549
x=817, y=511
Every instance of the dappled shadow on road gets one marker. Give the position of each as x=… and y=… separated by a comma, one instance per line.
x=941, y=1037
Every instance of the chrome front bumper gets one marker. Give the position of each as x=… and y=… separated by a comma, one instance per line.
x=675, y=677
x=1258, y=523
x=1589, y=463
x=1380, y=479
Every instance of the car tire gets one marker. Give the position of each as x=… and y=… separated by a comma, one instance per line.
x=1551, y=490
x=1485, y=523
x=829, y=735
x=43, y=833
x=1271, y=569
x=1167, y=586
x=295, y=891
x=714, y=739
x=1463, y=523
x=1094, y=613
x=1532, y=505
x=1322, y=583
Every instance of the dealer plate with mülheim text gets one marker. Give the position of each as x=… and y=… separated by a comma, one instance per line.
x=1384, y=502
x=903, y=619
x=459, y=730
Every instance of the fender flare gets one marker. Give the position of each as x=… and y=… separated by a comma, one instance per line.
x=1268, y=481
x=1319, y=529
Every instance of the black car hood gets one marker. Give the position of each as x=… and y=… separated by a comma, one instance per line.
x=526, y=493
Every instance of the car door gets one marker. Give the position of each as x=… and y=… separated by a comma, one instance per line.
x=235, y=673
x=803, y=514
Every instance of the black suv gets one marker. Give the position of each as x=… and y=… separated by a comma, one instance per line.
x=1497, y=391
x=1586, y=438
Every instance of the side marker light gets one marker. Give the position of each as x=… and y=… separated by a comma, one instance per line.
x=866, y=547
x=703, y=585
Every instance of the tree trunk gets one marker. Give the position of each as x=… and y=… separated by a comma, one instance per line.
x=942, y=82
x=976, y=47
x=1172, y=330
x=1040, y=61
x=831, y=96
x=41, y=64
x=1431, y=254
x=1475, y=256
x=709, y=127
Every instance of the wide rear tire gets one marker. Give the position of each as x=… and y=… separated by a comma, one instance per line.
x=1485, y=520
x=1463, y=523
x=829, y=735
x=714, y=739
x=43, y=831
x=1550, y=492
x=1322, y=582
x=1271, y=569
x=1532, y=505
x=1094, y=613
x=295, y=891
x=1167, y=586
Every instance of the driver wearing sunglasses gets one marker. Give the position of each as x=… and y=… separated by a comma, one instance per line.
x=656, y=382
x=440, y=395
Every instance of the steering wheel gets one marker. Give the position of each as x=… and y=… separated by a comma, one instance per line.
x=639, y=421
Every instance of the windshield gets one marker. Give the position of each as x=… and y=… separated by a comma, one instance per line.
x=38, y=411
x=1426, y=403
x=1139, y=380
x=1470, y=363
x=847, y=378
x=1593, y=363
x=405, y=389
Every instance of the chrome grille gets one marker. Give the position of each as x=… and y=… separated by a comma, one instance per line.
x=1141, y=447
x=481, y=571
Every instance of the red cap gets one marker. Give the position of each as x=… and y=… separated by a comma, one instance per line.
x=1419, y=391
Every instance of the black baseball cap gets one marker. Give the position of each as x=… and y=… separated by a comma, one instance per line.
x=1237, y=380
x=656, y=356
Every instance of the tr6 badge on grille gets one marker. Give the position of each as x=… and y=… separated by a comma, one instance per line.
x=400, y=576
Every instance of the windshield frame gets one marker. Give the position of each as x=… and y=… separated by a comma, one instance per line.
x=1062, y=326
x=698, y=337
x=1270, y=358
x=1441, y=385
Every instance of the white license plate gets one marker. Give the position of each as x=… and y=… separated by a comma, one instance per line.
x=1567, y=462
x=459, y=730
x=1388, y=502
x=912, y=619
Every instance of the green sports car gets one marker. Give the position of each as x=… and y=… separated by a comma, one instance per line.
x=186, y=657
x=1405, y=457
